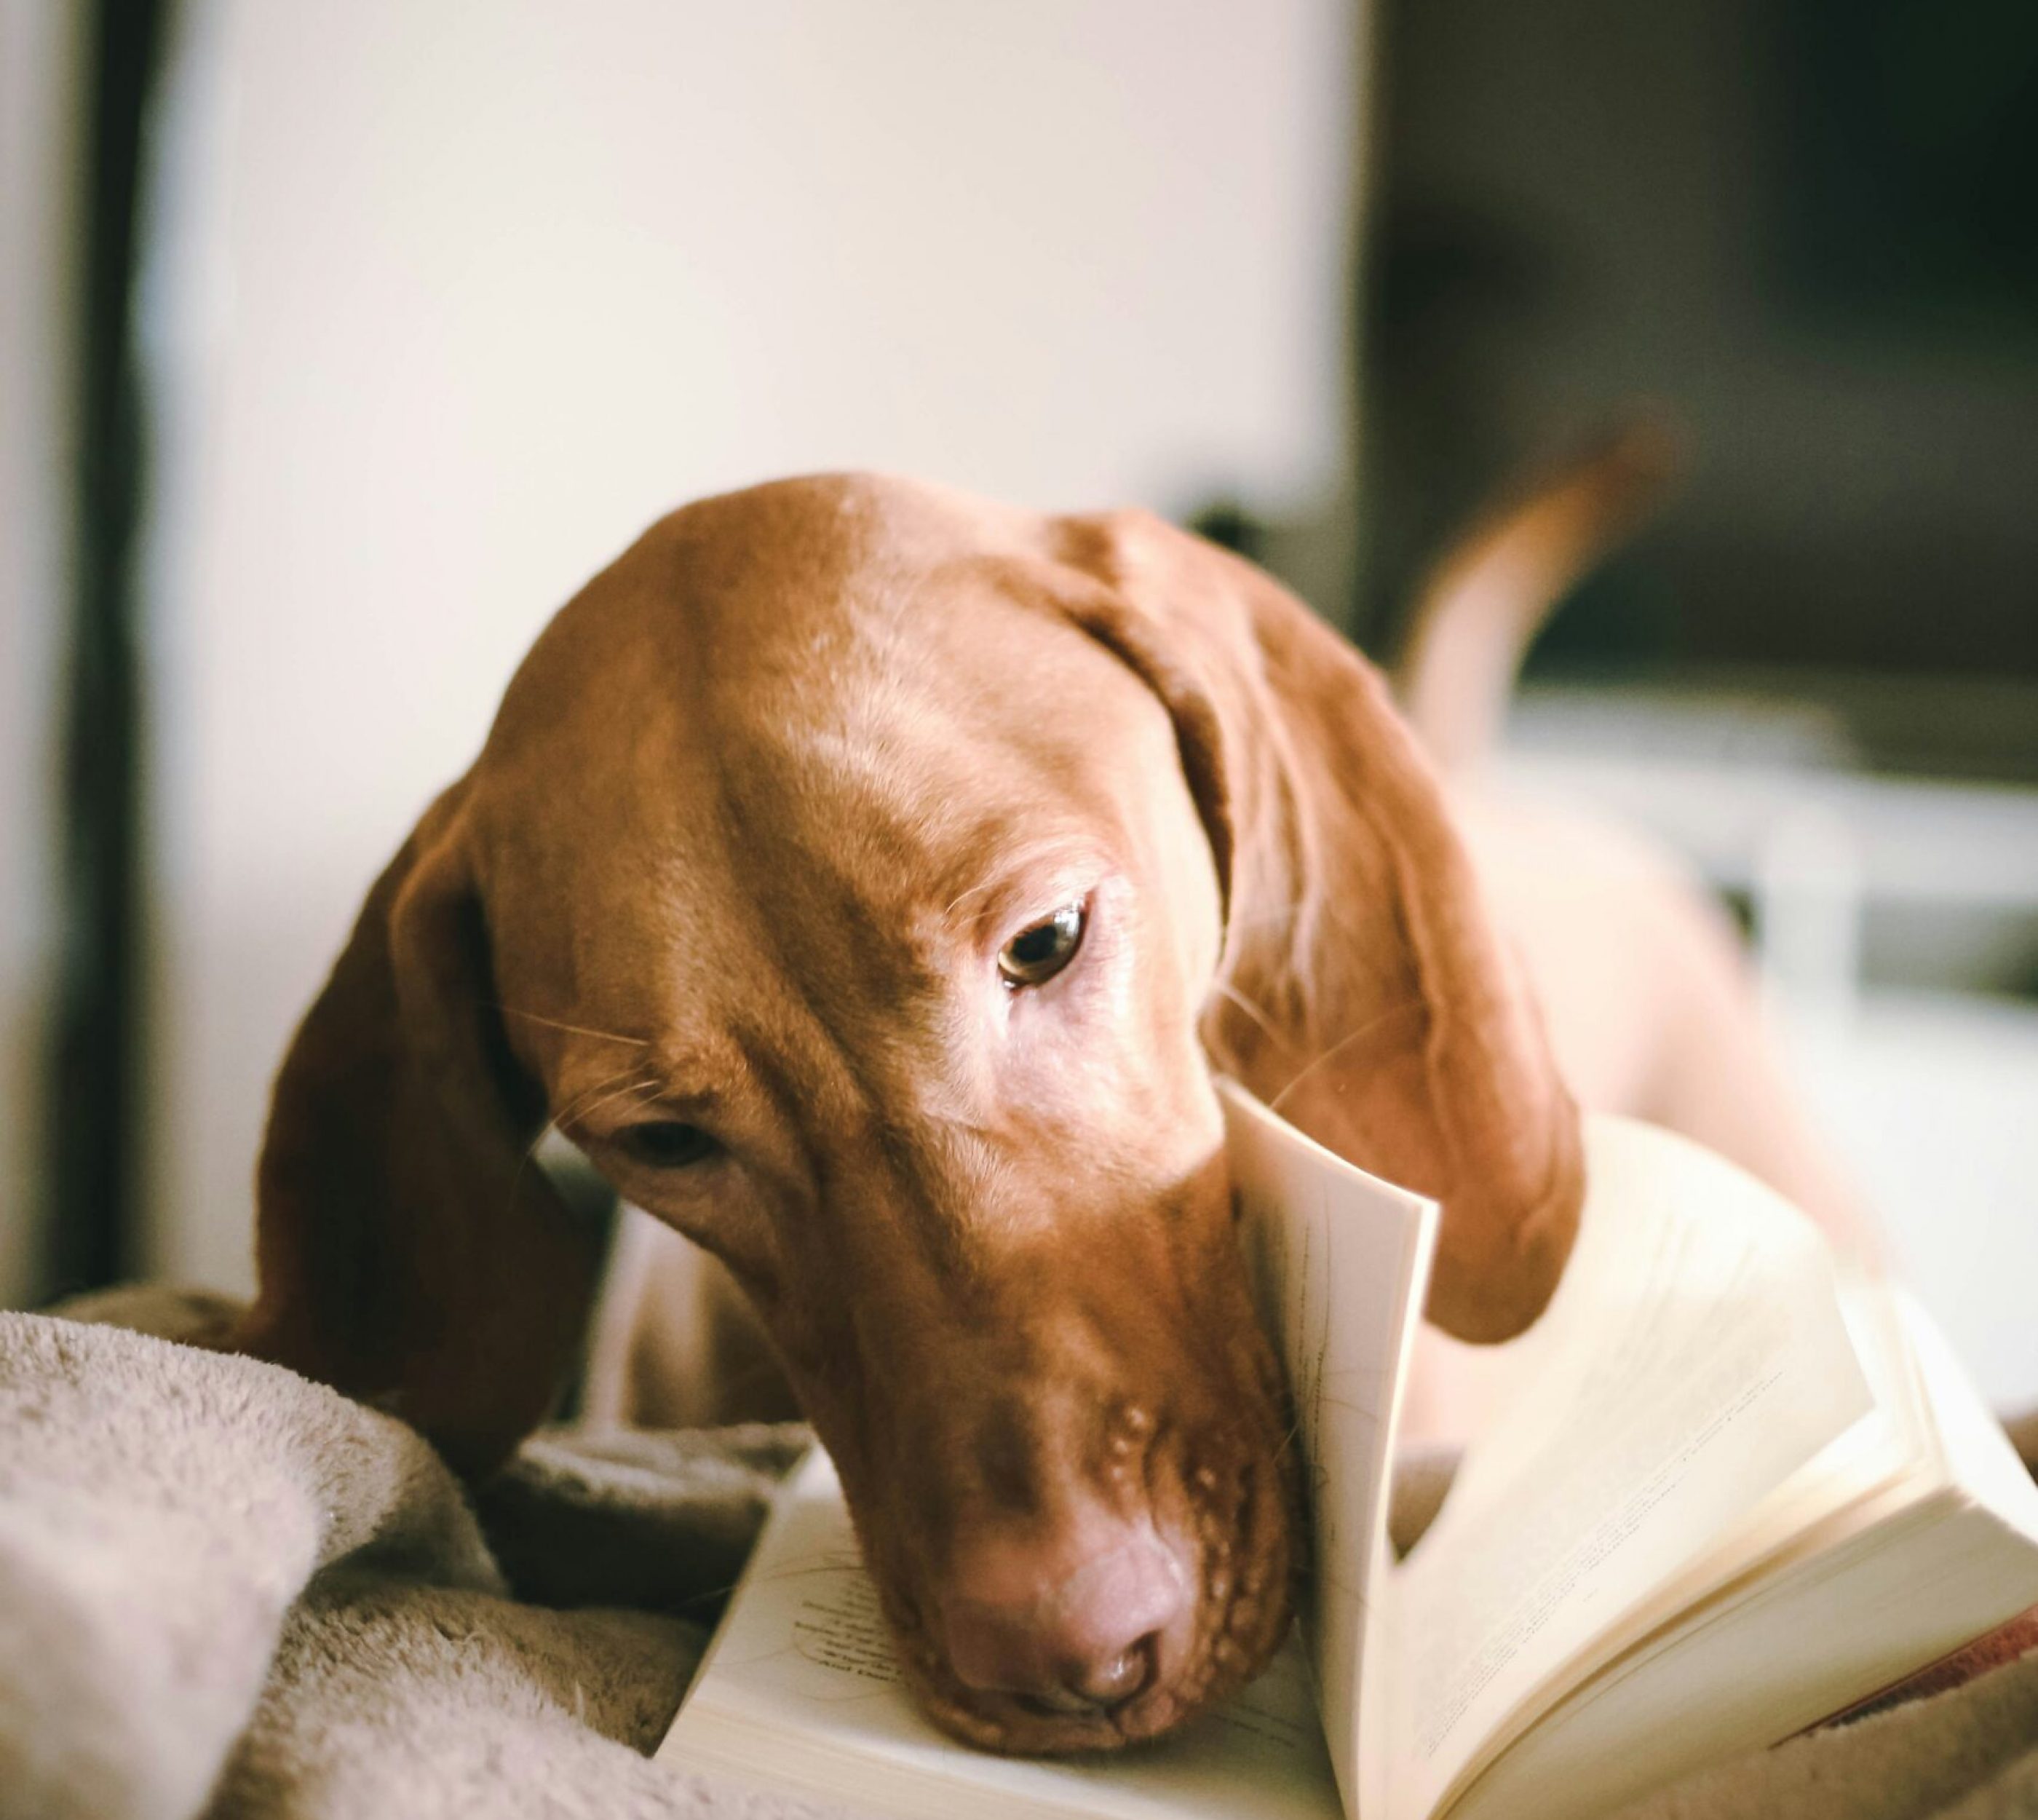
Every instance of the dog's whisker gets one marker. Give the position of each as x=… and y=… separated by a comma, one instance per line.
x=574, y=1030
x=1280, y=917
x=576, y=1108
x=639, y=1093
x=529, y=1159
x=641, y=1085
x=1371, y=1027
x=957, y=903
x=580, y=1103
x=1264, y=1024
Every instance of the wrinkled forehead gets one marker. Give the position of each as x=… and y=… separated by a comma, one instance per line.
x=812, y=789
x=939, y=733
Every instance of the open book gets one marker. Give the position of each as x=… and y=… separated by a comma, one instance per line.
x=1728, y=1490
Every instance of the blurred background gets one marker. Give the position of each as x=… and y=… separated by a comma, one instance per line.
x=341, y=339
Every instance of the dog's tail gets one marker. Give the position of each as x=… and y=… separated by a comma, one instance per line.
x=1487, y=599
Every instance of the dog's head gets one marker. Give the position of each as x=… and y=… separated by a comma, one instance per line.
x=867, y=879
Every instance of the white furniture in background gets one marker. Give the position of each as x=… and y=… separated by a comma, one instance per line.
x=1928, y=1082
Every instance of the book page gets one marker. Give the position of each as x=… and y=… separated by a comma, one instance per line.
x=1973, y=1452
x=1887, y=1582
x=1847, y=1475
x=1867, y=1459
x=1340, y=1262
x=1693, y=1357
x=801, y=1693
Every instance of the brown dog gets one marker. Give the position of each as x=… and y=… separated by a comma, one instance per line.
x=868, y=879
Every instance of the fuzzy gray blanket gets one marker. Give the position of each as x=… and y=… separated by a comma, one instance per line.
x=226, y=1591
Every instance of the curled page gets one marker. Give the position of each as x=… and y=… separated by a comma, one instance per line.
x=1694, y=1355
x=1340, y=1262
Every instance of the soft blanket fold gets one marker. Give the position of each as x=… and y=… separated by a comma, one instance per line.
x=226, y=1591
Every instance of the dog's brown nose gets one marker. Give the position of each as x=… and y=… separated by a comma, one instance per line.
x=1076, y=1621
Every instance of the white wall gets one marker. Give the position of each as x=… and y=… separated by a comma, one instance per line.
x=38, y=57
x=456, y=297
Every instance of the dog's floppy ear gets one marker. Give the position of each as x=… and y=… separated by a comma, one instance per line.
x=409, y=1251
x=1364, y=990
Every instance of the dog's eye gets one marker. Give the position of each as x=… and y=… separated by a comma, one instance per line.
x=666, y=1144
x=1043, y=950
